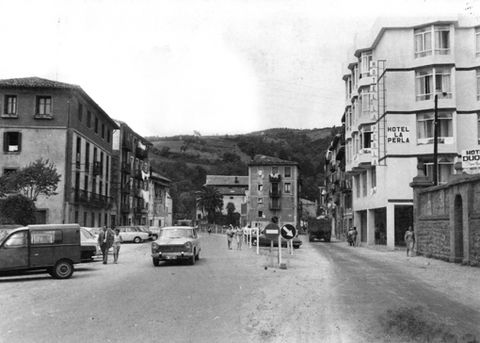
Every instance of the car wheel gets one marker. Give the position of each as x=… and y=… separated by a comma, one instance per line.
x=137, y=240
x=198, y=256
x=192, y=260
x=156, y=262
x=154, y=237
x=63, y=269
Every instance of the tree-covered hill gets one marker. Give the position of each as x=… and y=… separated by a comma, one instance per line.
x=186, y=160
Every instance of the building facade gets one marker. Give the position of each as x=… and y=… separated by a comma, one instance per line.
x=273, y=189
x=395, y=83
x=131, y=176
x=57, y=121
x=159, y=205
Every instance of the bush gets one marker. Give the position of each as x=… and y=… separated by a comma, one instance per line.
x=17, y=209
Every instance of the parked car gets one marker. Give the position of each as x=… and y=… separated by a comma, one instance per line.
x=265, y=242
x=90, y=248
x=55, y=248
x=146, y=230
x=176, y=243
x=155, y=231
x=132, y=234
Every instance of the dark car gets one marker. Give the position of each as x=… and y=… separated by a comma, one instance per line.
x=55, y=248
x=265, y=242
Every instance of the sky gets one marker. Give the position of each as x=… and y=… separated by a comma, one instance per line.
x=217, y=67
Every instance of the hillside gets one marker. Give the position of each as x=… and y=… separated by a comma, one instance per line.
x=187, y=159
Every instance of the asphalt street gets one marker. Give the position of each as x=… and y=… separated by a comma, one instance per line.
x=328, y=293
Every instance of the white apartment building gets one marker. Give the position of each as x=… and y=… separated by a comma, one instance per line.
x=391, y=86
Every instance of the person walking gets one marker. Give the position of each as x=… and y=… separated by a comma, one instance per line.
x=105, y=240
x=409, y=240
x=117, y=241
x=239, y=237
x=230, y=233
x=355, y=236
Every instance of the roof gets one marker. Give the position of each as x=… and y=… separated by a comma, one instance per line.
x=263, y=160
x=123, y=124
x=226, y=180
x=38, y=82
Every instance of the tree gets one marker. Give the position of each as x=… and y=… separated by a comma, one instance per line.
x=38, y=178
x=210, y=200
x=17, y=209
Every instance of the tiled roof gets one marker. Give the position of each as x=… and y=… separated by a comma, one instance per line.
x=262, y=160
x=36, y=82
x=226, y=180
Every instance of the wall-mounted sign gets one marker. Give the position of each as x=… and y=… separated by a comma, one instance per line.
x=471, y=160
x=398, y=134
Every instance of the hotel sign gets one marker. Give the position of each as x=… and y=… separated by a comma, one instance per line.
x=398, y=134
x=471, y=160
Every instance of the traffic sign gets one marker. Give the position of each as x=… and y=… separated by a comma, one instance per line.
x=272, y=231
x=288, y=231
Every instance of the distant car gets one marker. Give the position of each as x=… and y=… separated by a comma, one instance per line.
x=90, y=247
x=265, y=242
x=132, y=234
x=54, y=247
x=146, y=230
x=176, y=243
x=155, y=232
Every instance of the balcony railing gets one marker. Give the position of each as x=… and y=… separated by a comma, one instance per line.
x=274, y=205
x=90, y=199
x=275, y=193
x=275, y=178
x=141, y=153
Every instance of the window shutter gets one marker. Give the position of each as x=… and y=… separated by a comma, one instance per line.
x=19, y=141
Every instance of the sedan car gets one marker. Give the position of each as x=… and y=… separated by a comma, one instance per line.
x=176, y=243
x=265, y=242
x=89, y=245
x=132, y=234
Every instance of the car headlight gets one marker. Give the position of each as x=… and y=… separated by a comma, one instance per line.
x=188, y=246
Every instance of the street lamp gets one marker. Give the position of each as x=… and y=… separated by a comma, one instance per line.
x=435, y=140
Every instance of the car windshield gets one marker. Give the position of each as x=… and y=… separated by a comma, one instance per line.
x=176, y=233
x=85, y=234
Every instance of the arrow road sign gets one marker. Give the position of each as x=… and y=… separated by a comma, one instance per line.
x=288, y=231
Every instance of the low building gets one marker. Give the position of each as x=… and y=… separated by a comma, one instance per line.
x=60, y=122
x=159, y=205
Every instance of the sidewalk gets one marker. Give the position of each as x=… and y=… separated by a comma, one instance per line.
x=461, y=281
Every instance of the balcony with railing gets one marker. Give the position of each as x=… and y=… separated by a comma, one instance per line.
x=126, y=167
x=275, y=178
x=141, y=153
x=97, y=168
x=127, y=143
x=275, y=193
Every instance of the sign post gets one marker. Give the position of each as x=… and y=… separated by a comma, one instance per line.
x=288, y=231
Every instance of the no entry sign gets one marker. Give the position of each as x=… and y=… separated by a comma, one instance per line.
x=272, y=231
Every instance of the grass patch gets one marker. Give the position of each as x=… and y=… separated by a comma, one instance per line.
x=414, y=324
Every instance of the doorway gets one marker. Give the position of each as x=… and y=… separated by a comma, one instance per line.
x=403, y=219
x=458, y=228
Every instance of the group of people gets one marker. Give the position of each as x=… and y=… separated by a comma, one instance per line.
x=352, y=236
x=234, y=232
x=107, y=239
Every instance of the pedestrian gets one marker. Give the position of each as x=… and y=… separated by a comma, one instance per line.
x=350, y=236
x=230, y=233
x=105, y=240
x=355, y=236
x=117, y=241
x=409, y=240
x=239, y=237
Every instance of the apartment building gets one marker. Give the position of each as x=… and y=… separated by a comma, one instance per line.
x=394, y=85
x=273, y=189
x=60, y=122
x=131, y=176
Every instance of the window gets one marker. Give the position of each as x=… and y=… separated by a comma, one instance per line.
x=260, y=188
x=477, y=41
x=96, y=125
x=78, y=153
x=367, y=99
x=425, y=127
x=87, y=157
x=442, y=40
x=366, y=138
x=444, y=169
x=45, y=237
x=17, y=240
x=108, y=136
x=373, y=177
x=44, y=106
x=364, y=183
x=10, y=107
x=365, y=66
x=12, y=141
x=103, y=130
x=432, y=80
x=423, y=42
x=260, y=200
x=288, y=172
x=85, y=214
x=357, y=185
x=287, y=187
x=260, y=214
x=89, y=119
x=478, y=127
x=478, y=84
x=80, y=112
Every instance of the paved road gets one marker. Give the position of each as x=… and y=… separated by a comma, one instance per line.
x=328, y=293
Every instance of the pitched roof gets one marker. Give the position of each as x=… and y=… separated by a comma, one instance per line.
x=226, y=180
x=38, y=82
x=263, y=160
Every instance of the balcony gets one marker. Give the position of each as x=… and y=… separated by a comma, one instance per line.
x=127, y=143
x=97, y=168
x=141, y=153
x=275, y=193
x=126, y=167
x=125, y=208
x=275, y=178
x=274, y=206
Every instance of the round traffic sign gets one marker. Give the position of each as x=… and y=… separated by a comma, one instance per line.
x=288, y=231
